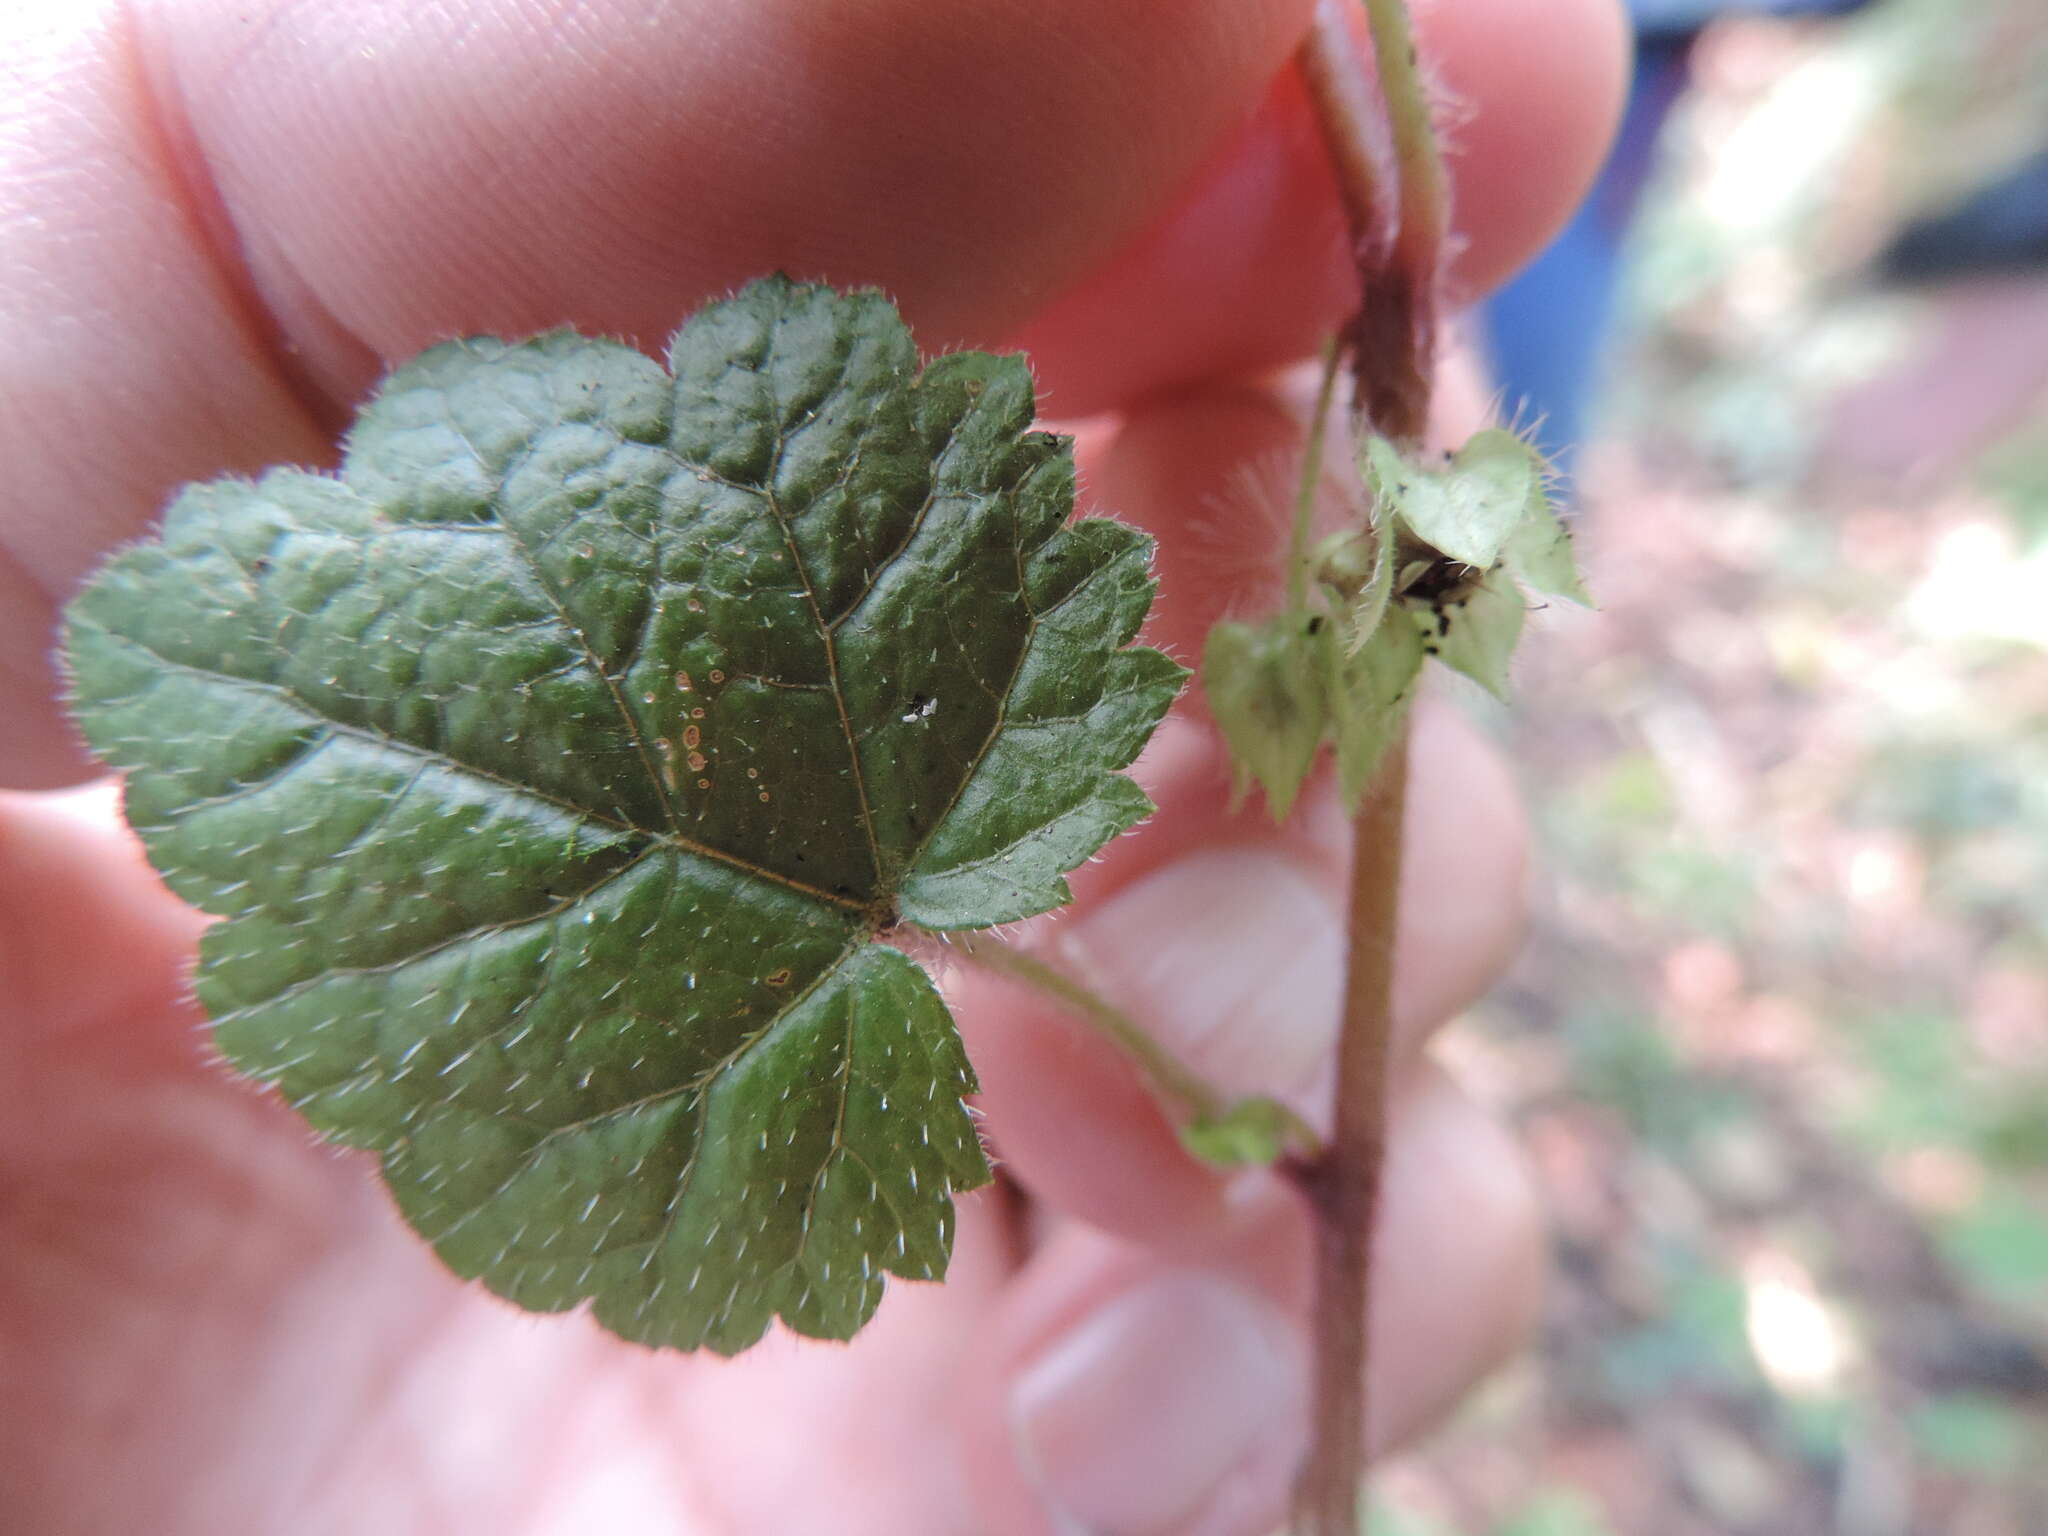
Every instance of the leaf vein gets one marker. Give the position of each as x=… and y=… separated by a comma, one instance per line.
x=398, y=746
x=561, y=607
x=826, y=636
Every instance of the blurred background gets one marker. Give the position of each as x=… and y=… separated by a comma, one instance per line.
x=1779, y=1044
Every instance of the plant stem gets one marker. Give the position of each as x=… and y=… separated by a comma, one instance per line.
x=1170, y=1079
x=1343, y=1184
x=1399, y=316
x=1311, y=479
x=1392, y=343
x=1390, y=178
x=1354, y=132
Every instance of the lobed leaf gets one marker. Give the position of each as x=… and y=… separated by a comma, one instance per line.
x=558, y=767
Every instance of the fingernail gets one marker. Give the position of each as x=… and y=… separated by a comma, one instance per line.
x=1130, y=1422
x=1247, y=990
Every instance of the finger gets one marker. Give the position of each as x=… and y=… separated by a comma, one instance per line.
x=616, y=167
x=1223, y=938
x=803, y=1435
x=92, y=938
x=218, y=217
x=1123, y=1392
x=1251, y=265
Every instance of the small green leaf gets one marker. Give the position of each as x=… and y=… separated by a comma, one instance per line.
x=556, y=766
x=1356, y=569
x=1267, y=688
x=1370, y=691
x=1539, y=552
x=1248, y=1133
x=1467, y=509
x=1476, y=631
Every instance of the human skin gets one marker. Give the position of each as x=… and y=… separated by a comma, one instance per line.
x=218, y=221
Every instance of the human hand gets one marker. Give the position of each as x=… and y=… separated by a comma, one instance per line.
x=215, y=222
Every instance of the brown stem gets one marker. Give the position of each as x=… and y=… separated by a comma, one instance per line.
x=1343, y=1185
x=1354, y=133
x=1399, y=245
x=1397, y=319
x=1398, y=248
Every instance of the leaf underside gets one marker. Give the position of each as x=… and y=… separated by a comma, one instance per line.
x=556, y=766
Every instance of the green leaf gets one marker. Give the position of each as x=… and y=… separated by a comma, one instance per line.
x=1476, y=630
x=1268, y=689
x=1539, y=551
x=1467, y=509
x=1247, y=1133
x=1369, y=694
x=556, y=767
x=1490, y=503
x=1356, y=569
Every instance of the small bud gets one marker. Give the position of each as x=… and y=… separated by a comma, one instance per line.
x=1245, y=1134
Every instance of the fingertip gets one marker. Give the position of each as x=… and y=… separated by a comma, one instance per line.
x=1251, y=267
x=1532, y=94
x=1076, y=1123
x=1118, y=1389
x=1464, y=869
x=1459, y=1262
x=98, y=946
x=490, y=167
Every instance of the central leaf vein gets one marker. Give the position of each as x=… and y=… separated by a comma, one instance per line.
x=829, y=641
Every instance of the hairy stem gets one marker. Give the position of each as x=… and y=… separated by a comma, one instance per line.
x=1397, y=317
x=1311, y=478
x=1343, y=1184
x=1425, y=189
x=1354, y=132
x=1390, y=178
x=1169, y=1076
x=1392, y=345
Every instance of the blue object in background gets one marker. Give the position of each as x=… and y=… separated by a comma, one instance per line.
x=1547, y=329
x=2001, y=227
